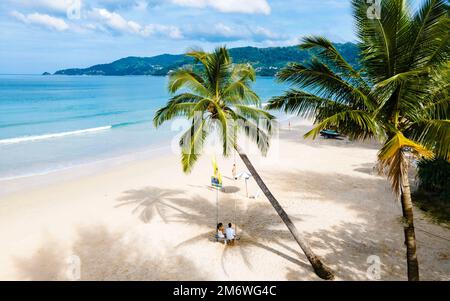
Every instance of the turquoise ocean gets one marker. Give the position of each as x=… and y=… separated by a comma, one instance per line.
x=50, y=123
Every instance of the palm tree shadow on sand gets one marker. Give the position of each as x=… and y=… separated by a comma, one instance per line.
x=149, y=201
x=173, y=207
x=105, y=255
x=346, y=245
x=258, y=226
x=350, y=243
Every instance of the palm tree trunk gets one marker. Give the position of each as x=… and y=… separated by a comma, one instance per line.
x=320, y=269
x=410, y=237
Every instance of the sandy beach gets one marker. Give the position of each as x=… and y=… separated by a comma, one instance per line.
x=146, y=220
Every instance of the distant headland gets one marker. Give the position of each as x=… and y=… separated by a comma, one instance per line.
x=266, y=61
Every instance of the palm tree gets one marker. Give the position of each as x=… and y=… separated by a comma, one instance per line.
x=399, y=96
x=220, y=102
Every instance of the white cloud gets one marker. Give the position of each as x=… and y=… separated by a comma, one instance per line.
x=114, y=20
x=172, y=31
x=110, y=20
x=42, y=20
x=229, y=6
x=266, y=33
x=101, y=19
x=119, y=24
x=59, y=6
x=221, y=32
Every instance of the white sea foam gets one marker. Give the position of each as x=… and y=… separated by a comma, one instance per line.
x=51, y=136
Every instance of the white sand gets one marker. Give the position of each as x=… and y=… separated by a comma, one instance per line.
x=147, y=220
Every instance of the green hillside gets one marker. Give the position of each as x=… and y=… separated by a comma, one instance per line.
x=266, y=61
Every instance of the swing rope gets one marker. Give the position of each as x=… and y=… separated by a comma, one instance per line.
x=217, y=200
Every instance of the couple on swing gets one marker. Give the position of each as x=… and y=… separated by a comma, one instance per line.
x=228, y=235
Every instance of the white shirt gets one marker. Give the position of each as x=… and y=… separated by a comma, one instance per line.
x=220, y=234
x=229, y=232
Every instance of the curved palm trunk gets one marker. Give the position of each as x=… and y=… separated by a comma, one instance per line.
x=410, y=237
x=320, y=269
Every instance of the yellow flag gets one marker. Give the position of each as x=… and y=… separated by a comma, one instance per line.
x=217, y=174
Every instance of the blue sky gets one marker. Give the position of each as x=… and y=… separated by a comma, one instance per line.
x=47, y=35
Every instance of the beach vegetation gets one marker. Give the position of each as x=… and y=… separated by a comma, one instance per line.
x=400, y=95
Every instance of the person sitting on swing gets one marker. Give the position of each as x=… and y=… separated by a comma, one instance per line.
x=230, y=234
x=220, y=232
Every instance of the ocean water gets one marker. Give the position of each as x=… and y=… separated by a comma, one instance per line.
x=50, y=123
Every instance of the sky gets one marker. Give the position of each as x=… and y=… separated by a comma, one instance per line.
x=48, y=35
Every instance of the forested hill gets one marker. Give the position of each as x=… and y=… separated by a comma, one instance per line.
x=266, y=61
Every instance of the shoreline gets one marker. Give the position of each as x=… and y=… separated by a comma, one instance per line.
x=13, y=184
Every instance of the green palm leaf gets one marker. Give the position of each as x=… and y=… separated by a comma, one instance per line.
x=356, y=124
x=191, y=143
x=220, y=95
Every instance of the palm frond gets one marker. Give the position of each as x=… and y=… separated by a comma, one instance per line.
x=191, y=143
x=243, y=72
x=222, y=123
x=218, y=69
x=254, y=113
x=329, y=54
x=324, y=82
x=356, y=124
x=403, y=77
x=240, y=92
x=392, y=157
x=374, y=40
x=439, y=109
x=399, y=142
x=304, y=104
x=429, y=33
x=198, y=55
x=399, y=91
x=178, y=106
x=186, y=78
x=255, y=132
x=433, y=134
